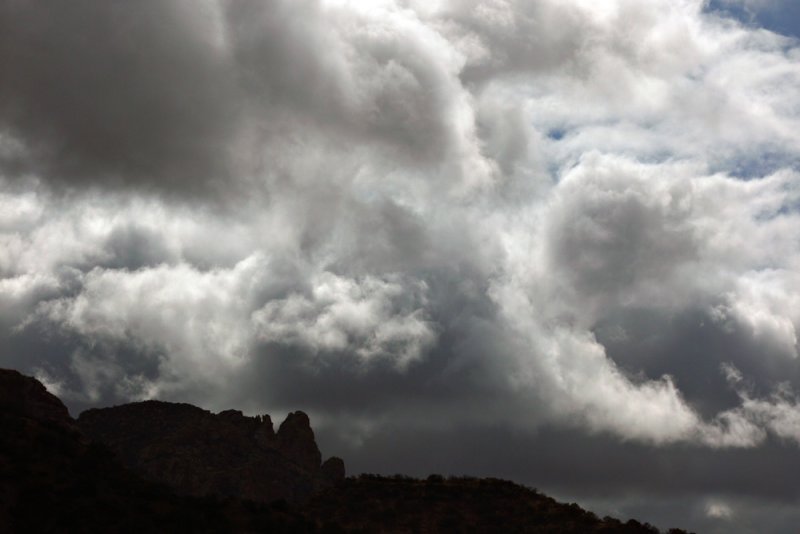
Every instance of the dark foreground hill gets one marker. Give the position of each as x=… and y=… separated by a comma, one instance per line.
x=162, y=467
x=400, y=504
x=54, y=479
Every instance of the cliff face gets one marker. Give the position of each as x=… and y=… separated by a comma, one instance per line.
x=228, y=454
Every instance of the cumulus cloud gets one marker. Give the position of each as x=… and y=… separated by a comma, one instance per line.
x=779, y=413
x=531, y=213
x=342, y=315
x=204, y=325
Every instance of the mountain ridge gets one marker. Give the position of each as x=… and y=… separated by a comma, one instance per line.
x=149, y=467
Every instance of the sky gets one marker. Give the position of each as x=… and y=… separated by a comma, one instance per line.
x=554, y=241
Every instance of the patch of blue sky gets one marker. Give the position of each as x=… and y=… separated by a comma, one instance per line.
x=557, y=134
x=779, y=16
x=752, y=166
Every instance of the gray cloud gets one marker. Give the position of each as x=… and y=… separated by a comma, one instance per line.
x=553, y=222
x=115, y=94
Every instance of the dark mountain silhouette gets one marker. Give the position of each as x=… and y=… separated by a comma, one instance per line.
x=53, y=478
x=400, y=504
x=163, y=467
x=228, y=454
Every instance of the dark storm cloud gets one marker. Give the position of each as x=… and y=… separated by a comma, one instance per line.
x=454, y=374
x=551, y=241
x=340, y=75
x=134, y=247
x=114, y=93
x=693, y=348
x=667, y=486
x=569, y=462
x=182, y=97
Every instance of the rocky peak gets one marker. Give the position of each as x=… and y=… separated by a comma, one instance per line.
x=295, y=440
x=24, y=396
x=201, y=453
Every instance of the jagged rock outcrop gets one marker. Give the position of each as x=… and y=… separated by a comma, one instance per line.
x=295, y=440
x=55, y=479
x=226, y=454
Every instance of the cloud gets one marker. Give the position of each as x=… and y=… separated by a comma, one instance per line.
x=620, y=235
x=343, y=315
x=779, y=412
x=183, y=100
x=116, y=94
x=524, y=215
x=718, y=510
x=343, y=250
x=205, y=324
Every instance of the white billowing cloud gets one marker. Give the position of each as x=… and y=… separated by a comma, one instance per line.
x=392, y=171
x=732, y=428
x=623, y=233
x=373, y=74
x=195, y=322
x=779, y=413
x=617, y=234
x=571, y=371
x=620, y=232
x=204, y=324
x=19, y=210
x=651, y=79
x=766, y=303
x=344, y=315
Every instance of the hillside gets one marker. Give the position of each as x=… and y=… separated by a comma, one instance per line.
x=400, y=504
x=54, y=479
x=164, y=467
